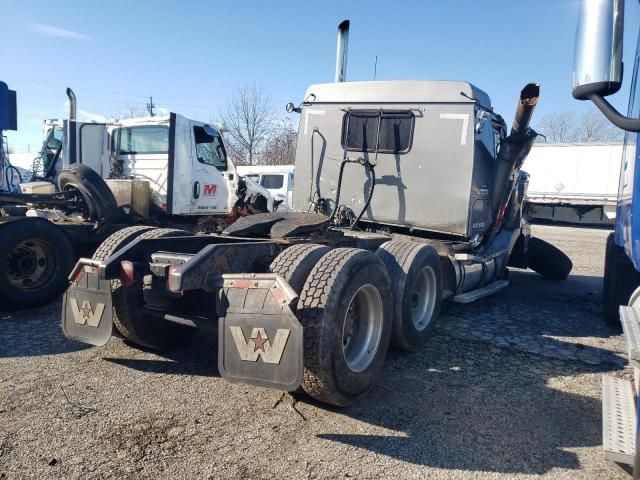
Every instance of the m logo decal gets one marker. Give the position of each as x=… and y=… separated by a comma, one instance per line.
x=259, y=344
x=86, y=314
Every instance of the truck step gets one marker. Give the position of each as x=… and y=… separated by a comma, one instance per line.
x=618, y=420
x=479, y=293
x=630, y=319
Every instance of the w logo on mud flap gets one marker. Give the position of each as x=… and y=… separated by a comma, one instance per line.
x=259, y=344
x=86, y=314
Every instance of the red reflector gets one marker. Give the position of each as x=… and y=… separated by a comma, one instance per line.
x=79, y=275
x=127, y=273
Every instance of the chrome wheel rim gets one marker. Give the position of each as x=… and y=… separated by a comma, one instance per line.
x=423, y=298
x=30, y=264
x=362, y=328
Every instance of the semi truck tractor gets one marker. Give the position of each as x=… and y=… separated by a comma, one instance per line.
x=598, y=73
x=407, y=194
x=94, y=179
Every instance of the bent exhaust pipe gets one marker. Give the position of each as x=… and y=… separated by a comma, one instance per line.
x=341, y=52
x=526, y=105
x=72, y=104
x=513, y=151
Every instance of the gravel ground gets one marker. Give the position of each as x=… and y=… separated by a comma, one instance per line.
x=509, y=387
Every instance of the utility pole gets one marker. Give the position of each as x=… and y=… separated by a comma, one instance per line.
x=375, y=67
x=150, y=106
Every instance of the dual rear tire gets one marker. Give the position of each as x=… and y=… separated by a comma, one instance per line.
x=352, y=304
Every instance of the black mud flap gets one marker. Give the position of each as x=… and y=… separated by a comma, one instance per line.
x=260, y=338
x=86, y=308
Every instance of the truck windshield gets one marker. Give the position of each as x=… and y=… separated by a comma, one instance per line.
x=142, y=139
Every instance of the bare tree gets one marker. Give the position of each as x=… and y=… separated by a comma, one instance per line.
x=280, y=148
x=133, y=110
x=594, y=127
x=568, y=127
x=248, y=119
x=558, y=127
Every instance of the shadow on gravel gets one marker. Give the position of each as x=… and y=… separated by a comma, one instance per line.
x=457, y=405
x=198, y=357
x=35, y=332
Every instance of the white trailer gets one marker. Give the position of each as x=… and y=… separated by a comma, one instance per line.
x=574, y=182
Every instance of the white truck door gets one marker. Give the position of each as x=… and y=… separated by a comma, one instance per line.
x=200, y=175
x=212, y=181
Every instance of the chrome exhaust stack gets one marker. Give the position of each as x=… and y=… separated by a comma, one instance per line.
x=341, y=53
x=72, y=104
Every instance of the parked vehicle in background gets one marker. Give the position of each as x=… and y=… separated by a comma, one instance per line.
x=598, y=73
x=94, y=179
x=277, y=179
x=573, y=182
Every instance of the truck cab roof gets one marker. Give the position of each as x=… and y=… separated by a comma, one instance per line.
x=397, y=91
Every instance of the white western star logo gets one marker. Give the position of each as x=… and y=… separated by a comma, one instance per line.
x=259, y=344
x=86, y=314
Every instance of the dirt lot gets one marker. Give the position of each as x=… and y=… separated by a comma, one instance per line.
x=508, y=388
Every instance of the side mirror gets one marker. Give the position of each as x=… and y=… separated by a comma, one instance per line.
x=290, y=108
x=54, y=144
x=597, y=65
x=597, y=70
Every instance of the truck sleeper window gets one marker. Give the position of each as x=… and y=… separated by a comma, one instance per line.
x=143, y=139
x=209, y=149
x=396, y=131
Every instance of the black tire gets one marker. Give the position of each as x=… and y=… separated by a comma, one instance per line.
x=547, y=260
x=619, y=282
x=415, y=273
x=130, y=318
x=114, y=242
x=36, y=258
x=295, y=263
x=117, y=240
x=98, y=197
x=343, y=275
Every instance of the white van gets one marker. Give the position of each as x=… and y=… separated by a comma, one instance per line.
x=277, y=179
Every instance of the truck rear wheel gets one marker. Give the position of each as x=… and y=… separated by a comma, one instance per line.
x=130, y=318
x=619, y=282
x=416, y=284
x=547, y=260
x=97, y=196
x=116, y=241
x=295, y=263
x=345, y=309
x=36, y=257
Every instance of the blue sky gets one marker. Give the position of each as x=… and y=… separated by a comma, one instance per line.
x=190, y=55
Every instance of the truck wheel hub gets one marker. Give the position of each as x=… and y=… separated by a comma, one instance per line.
x=27, y=265
x=423, y=300
x=362, y=328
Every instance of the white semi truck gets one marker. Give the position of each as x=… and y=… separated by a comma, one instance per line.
x=93, y=179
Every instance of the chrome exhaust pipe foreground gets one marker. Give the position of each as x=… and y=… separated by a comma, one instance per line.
x=341, y=53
